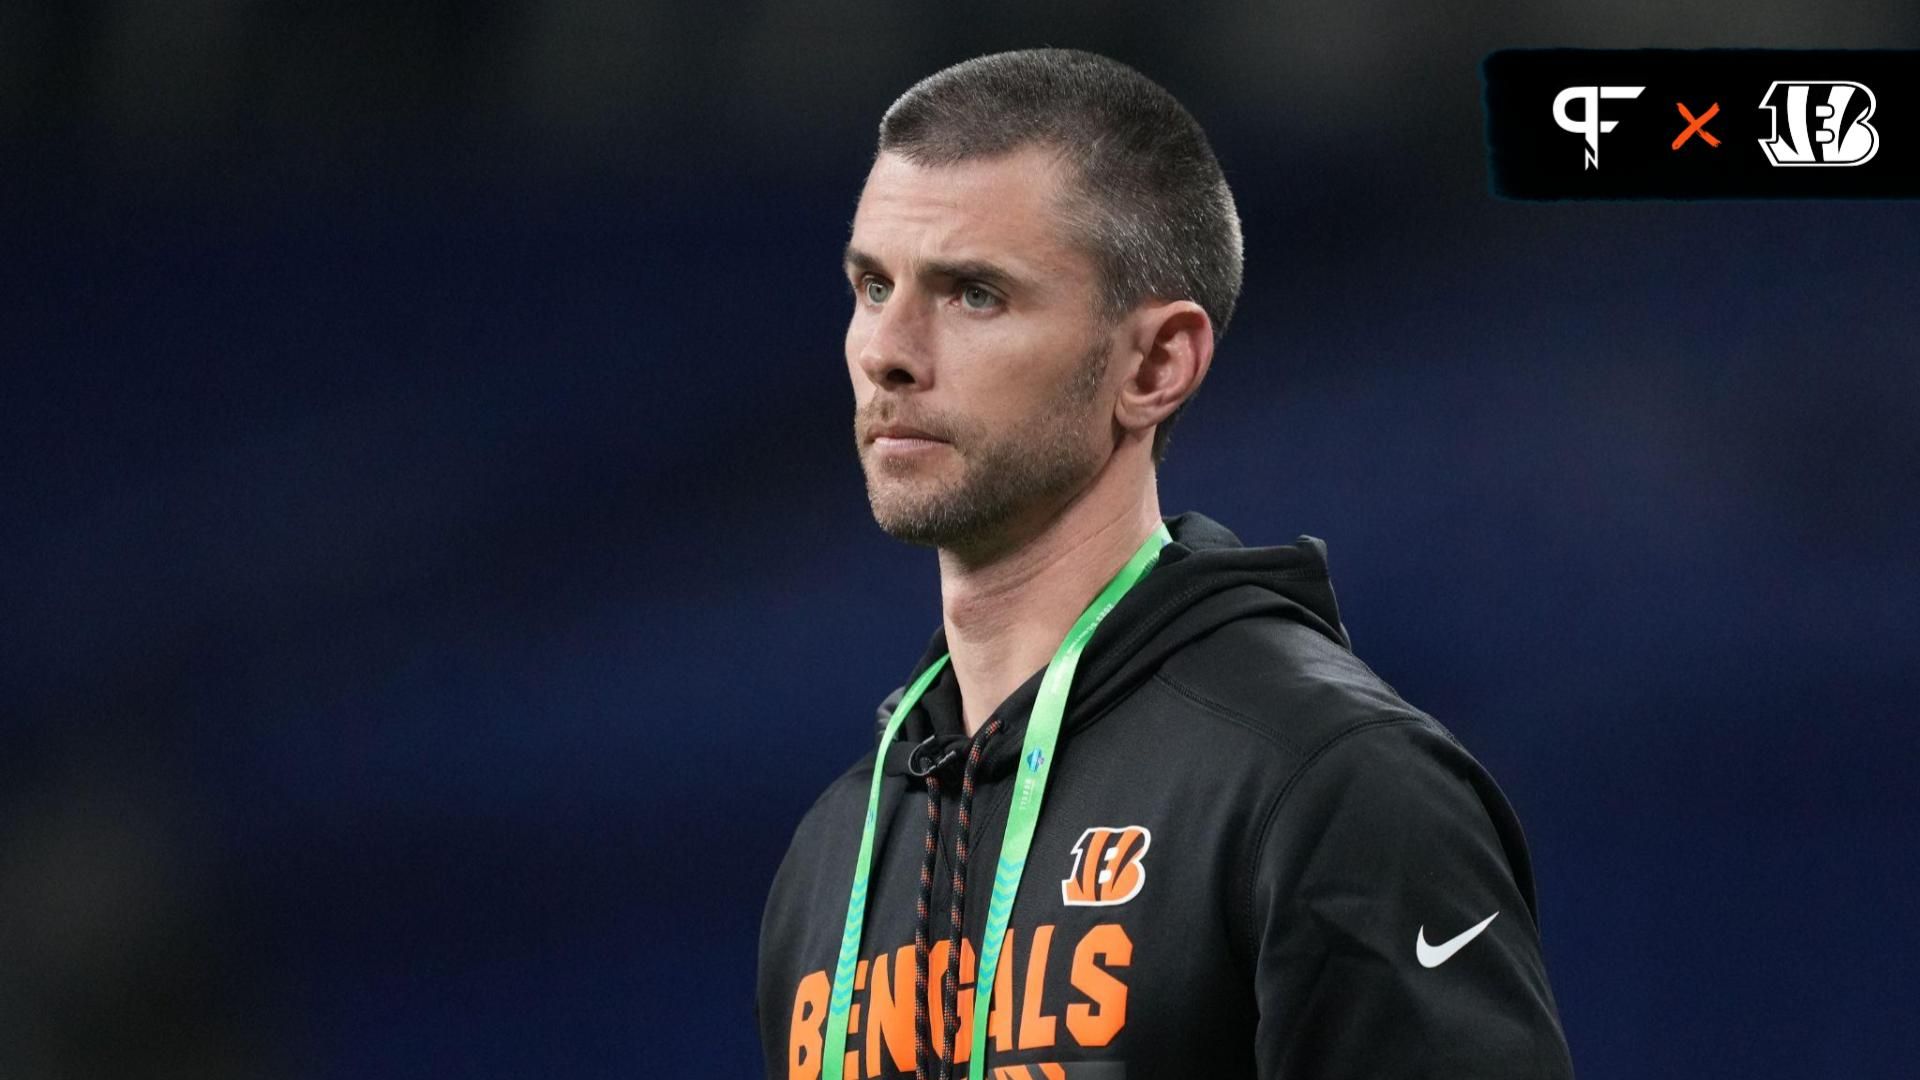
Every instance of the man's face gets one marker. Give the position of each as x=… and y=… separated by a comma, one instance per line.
x=974, y=323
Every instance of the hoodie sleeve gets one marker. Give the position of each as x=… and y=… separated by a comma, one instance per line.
x=1392, y=916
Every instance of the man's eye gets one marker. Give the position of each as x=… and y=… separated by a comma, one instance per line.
x=875, y=290
x=978, y=298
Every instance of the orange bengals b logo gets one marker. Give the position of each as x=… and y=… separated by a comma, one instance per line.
x=1106, y=866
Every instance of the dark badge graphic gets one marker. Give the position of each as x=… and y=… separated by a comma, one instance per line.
x=1703, y=124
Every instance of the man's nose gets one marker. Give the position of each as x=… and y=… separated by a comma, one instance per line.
x=896, y=350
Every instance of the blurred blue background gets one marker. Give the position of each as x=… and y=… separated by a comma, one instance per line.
x=438, y=575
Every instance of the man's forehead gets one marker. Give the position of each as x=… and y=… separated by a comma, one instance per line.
x=1002, y=209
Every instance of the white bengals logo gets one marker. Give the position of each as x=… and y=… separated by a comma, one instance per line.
x=1107, y=866
x=1825, y=123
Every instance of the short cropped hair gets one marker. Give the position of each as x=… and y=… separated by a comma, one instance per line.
x=1148, y=201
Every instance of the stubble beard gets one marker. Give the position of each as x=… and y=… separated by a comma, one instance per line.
x=1034, y=463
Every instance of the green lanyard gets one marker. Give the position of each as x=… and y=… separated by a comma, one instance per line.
x=1036, y=763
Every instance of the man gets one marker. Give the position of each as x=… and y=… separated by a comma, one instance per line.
x=1138, y=811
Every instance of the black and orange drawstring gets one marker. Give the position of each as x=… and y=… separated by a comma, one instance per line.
x=920, y=931
x=956, y=908
x=923, y=763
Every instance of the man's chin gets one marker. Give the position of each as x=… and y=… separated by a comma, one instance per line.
x=921, y=523
x=909, y=535
x=965, y=534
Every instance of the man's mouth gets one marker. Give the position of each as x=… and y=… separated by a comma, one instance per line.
x=902, y=434
x=906, y=444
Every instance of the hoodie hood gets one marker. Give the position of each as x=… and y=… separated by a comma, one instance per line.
x=1205, y=578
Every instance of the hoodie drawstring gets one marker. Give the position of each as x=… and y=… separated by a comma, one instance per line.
x=920, y=931
x=956, y=910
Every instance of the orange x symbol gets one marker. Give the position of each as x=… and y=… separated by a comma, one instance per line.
x=1698, y=125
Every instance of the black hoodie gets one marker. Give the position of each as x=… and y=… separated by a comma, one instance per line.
x=1254, y=860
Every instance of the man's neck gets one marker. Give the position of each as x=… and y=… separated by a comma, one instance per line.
x=1007, y=615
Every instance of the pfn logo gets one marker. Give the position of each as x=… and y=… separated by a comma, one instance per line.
x=1826, y=124
x=1106, y=866
x=1589, y=123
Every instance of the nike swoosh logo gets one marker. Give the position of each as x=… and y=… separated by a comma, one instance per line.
x=1433, y=956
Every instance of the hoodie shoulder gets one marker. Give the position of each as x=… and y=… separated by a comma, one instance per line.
x=1285, y=679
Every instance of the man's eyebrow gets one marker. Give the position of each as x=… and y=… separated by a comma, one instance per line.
x=855, y=259
x=961, y=269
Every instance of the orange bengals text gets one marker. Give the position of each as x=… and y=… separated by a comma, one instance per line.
x=883, y=1003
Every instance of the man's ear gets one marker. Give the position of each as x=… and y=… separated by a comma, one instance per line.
x=1173, y=346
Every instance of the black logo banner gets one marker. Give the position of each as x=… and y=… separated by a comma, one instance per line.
x=1703, y=124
